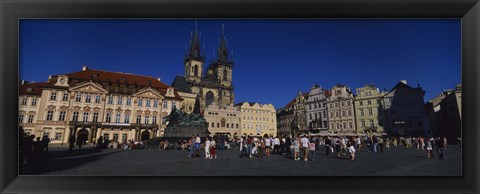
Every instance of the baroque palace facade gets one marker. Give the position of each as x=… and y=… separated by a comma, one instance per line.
x=94, y=103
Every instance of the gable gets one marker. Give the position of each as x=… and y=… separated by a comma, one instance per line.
x=89, y=87
x=148, y=93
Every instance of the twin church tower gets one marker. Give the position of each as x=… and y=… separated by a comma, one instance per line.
x=213, y=83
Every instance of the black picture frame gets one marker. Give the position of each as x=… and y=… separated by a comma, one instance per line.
x=11, y=11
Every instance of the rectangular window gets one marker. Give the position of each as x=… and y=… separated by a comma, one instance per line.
x=371, y=123
x=336, y=104
x=350, y=125
x=85, y=116
x=127, y=118
x=237, y=125
x=218, y=125
x=139, y=119
x=30, y=118
x=342, y=104
x=361, y=103
x=119, y=100
x=129, y=101
x=370, y=111
x=213, y=125
x=88, y=98
x=228, y=125
x=343, y=113
x=124, y=137
x=147, y=119
x=363, y=123
x=49, y=115
x=65, y=96
x=108, y=118
x=361, y=112
x=140, y=102
x=155, y=103
x=34, y=101
x=110, y=99
x=61, y=116
x=174, y=104
x=20, y=118
x=117, y=118
x=58, y=136
x=165, y=104
x=106, y=136
x=95, y=117
x=97, y=99
x=154, y=119
x=115, y=137
x=78, y=97
x=349, y=112
x=75, y=116
x=369, y=102
x=147, y=104
x=53, y=96
x=24, y=101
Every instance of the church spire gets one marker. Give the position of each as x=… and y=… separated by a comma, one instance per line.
x=195, y=49
x=222, y=47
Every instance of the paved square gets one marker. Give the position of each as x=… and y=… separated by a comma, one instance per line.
x=394, y=162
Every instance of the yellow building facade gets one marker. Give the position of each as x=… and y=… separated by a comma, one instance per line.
x=257, y=119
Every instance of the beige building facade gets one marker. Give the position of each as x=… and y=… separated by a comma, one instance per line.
x=340, y=109
x=257, y=119
x=93, y=103
x=223, y=120
x=369, y=109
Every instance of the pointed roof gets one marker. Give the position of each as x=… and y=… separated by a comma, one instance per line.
x=194, y=51
x=180, y=84
x=222, y=51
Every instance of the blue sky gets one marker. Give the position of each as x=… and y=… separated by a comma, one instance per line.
x=274, y=59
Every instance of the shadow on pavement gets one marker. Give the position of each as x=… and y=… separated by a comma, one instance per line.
x=61, y=160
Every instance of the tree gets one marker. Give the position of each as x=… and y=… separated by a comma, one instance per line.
x=196, y=109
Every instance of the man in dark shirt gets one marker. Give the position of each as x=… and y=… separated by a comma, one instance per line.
x=288, y=142
x=440, y=147
x=328, y=143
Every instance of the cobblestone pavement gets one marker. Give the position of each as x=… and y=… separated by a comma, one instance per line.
x=394, y=162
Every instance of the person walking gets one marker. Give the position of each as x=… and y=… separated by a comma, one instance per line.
x=380, y=144
x=244, y=151
x=288, y=144
x=351, y=148
x=213, y=146
x=267, y=145
x=71, y=144
x=296, y=148
x=440, y=148
x=45, y=141
x=429, y=149
x=207, y=147
x=276, y=145
x=191, y=143
x=375, y=143
x=261, y=148
x=312, y=147
x=249, y=146
x=328, y=143
x=305, y=143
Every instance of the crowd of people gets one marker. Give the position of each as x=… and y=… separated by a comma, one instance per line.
x=296, y=148
x=31, y=148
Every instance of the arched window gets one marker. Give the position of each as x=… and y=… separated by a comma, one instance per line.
x=225, y=73
x=195, y=71
x=209, y=98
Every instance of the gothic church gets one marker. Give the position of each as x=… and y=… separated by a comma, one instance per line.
x=213, y=83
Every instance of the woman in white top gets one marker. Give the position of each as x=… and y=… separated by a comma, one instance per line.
x=267, y=145
x=207, y=148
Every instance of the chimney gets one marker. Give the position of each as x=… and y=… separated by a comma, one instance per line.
x=404, y=81
x=84, y=67
x=158, y=79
